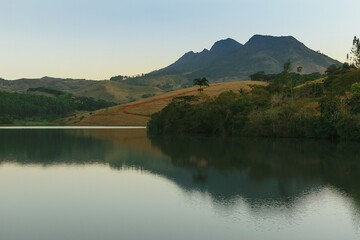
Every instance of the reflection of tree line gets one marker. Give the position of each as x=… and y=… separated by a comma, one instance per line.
x=252, y=168
x=49, y=147
x=261, y=159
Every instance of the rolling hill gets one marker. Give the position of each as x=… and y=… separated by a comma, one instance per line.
x=138, y=113
x=112, y=91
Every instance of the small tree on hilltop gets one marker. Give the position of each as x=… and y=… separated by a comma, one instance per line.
x=201, y=82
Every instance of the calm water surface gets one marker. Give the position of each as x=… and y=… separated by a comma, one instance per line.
x=120, y=184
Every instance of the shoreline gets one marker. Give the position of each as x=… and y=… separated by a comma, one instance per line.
x=72, y=127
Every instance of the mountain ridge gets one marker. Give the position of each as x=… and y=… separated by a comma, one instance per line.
x=229, y=58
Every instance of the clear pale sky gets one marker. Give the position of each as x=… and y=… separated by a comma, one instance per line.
x=97, y=39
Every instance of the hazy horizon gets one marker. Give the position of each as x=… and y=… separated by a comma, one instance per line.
x=99, y=39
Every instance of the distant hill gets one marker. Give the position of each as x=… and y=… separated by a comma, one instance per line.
x=113, y=91
x=228, y=59
x=22, y=85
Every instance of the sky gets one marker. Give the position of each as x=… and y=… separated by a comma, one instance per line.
x=98, y=39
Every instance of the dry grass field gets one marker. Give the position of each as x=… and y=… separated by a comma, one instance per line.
x=138, y=113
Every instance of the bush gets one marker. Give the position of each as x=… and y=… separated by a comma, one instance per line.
x=355, y=88
x=349, y=128
x=6, y=119
x=147, y=95
x=354, y=104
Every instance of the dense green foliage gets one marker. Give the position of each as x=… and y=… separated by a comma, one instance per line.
x=281, y=109
x=279, y=77
x=50, y=91
x=90, y=104
x=18, y=106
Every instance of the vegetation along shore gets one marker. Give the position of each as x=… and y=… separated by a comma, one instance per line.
x=291, y=105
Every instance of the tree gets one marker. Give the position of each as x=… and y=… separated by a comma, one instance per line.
x=201, y=82
x=333, y=70
x=260, y=76
x=117, y=78
x=289, y=81
x=354, y=56
x=287, y=66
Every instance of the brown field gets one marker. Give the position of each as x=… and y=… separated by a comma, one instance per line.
x=138, y=113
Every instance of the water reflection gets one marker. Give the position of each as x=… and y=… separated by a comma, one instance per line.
x=260, y=171
x=265, y=168
x=56, y=182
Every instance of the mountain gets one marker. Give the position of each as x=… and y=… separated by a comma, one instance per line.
x=227, y=59
x=191, y=61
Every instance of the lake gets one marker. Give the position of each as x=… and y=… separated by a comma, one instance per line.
x=105, y=184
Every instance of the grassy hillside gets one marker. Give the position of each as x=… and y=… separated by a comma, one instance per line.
x=113, y=91
x=119, y=92
x=139, y=112
x=22, y=85
x=324, y=108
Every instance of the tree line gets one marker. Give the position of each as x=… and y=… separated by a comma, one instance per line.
x=22, y=106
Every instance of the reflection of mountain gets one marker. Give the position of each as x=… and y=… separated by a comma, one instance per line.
x=255, y=169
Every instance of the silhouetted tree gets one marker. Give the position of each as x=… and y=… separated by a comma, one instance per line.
x=118, y=78
x=201, y=82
